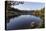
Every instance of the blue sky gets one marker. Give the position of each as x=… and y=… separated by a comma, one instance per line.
x=30, y=6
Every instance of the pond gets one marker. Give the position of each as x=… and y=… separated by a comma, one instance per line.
x=24, y=22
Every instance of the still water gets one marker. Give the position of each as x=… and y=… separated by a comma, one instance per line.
x=23, y=21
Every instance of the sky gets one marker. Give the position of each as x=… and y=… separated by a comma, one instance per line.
x=30, y=6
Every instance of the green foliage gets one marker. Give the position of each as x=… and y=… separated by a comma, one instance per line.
x=41, y=14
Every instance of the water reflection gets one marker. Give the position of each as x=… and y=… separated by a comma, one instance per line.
x=23, y=21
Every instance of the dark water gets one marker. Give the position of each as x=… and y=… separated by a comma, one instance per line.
x=23, y=22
